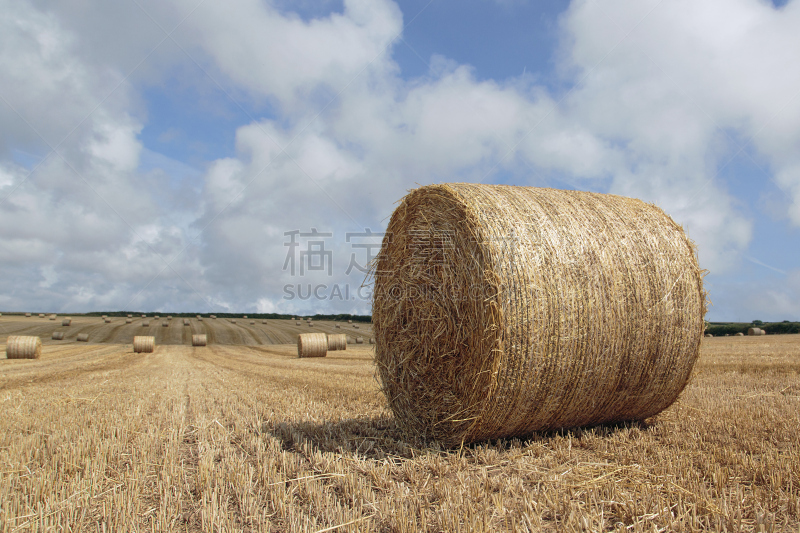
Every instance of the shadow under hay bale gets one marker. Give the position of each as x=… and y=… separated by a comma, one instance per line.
x=23, y=347
x=312, y=345
x=494, y=307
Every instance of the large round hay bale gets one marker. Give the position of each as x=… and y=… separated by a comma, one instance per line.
x=145, y=323
x=66, y=322
x=165, y=324
x=129, y=321
x=144, y=344
x=83, y=337
x=312, y=345
x=500, y=310
x=359, y=340
x=23, y=347
x=754, y=331
x=27, y=315
x=337, y=342
x=199, y=340
x=57, y=336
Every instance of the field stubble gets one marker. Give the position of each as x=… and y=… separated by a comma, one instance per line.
x=250, y=438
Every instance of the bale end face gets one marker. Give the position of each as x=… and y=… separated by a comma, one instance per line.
x=144, y=344
x=312, y=345
x=23, y=347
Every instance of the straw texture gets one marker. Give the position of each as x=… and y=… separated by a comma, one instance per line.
x=499, y=311
x=312, y=345
x=337, y=342
x=199, y=340
x=144, y=344
x=83, y=337
x=23, y=347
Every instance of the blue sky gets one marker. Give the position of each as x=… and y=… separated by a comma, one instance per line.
x=154, y=154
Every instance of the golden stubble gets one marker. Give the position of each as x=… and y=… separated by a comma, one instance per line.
x=236, y=438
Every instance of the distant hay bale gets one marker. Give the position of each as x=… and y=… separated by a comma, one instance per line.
x=337, y=342
x=103, y=316
x=144, y=316
x=754, y=331
x=359, y=340
x=145, y=323
x=709, y=335
x=144, y=344
x=245, y=316
x=198, y=316
x=156, y=317
x=355, y=327
x=349, y=321
x=169, y=317
x=186, y=322
x=372, y=340
x=130, y=316
x=740, y=334
x=23, y=347
x=233, y=321
x=27, y=315
x=337, y=326
x=264, y=322
x=252, y=322
x=41, y=315
x=214, y=317
x=52, y=317
x=727, y=334
x=165, y=324
x=107, y=321
x=58, y=336
x=129, y=321
x=66, y=322
x=350, y=340
x=199, y=319
x=83, y=337
x=298, y=323
x=311, y=324
x=494, y=307
x=199, y=340
x=312, y=345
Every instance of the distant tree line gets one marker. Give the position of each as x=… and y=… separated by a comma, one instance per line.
x=772, y=328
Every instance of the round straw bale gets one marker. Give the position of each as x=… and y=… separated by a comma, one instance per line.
x=214, y=317
x=350, y=340
x=754, y=331
x=372, y=340
x=58, y=336
x=41, y=315
x=355, y=327
x=264, y=322
x=144, y=344
x=129, y=321
x=186, y=322
x=165, y=324
x=156, y=317
x=245, y=316
x=499, y=311
x=52, y=317
x=359, y=340
x=27, y=315
x=233, y=321
x=337, y=326
x=298, y=323
x=145, y=323
x=198, y=316
x=83, y=337
x=310, y=324
x=107, y=321
x=709, y=335
x=144, y=316
x=252, y=322
x=349, y=321
x=312, y=345
x=66, y=322
x=130, y=316
x=199, y=340
x=23, y=347
x=104, y=317
x=337, y=342
x=740, y=334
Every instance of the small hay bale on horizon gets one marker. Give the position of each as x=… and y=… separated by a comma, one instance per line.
x=52, y=317
x=518, y=274
x=359, y=340
x=233, y=321
x=337, y=342
x=144, y=344
x=165, y=324
x=27, y=315
x=312, y=345
x=740, y=334
x=337, y=326
x=57, y=336
x=23, y=347
x=145, y=323
x=66, y=322
x=41, y=315
x=199, y=340
x=107, y=321
x=82, y=337
x=709, y=335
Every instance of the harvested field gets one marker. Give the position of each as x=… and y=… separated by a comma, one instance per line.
x=118, y=332
x=251, y=438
